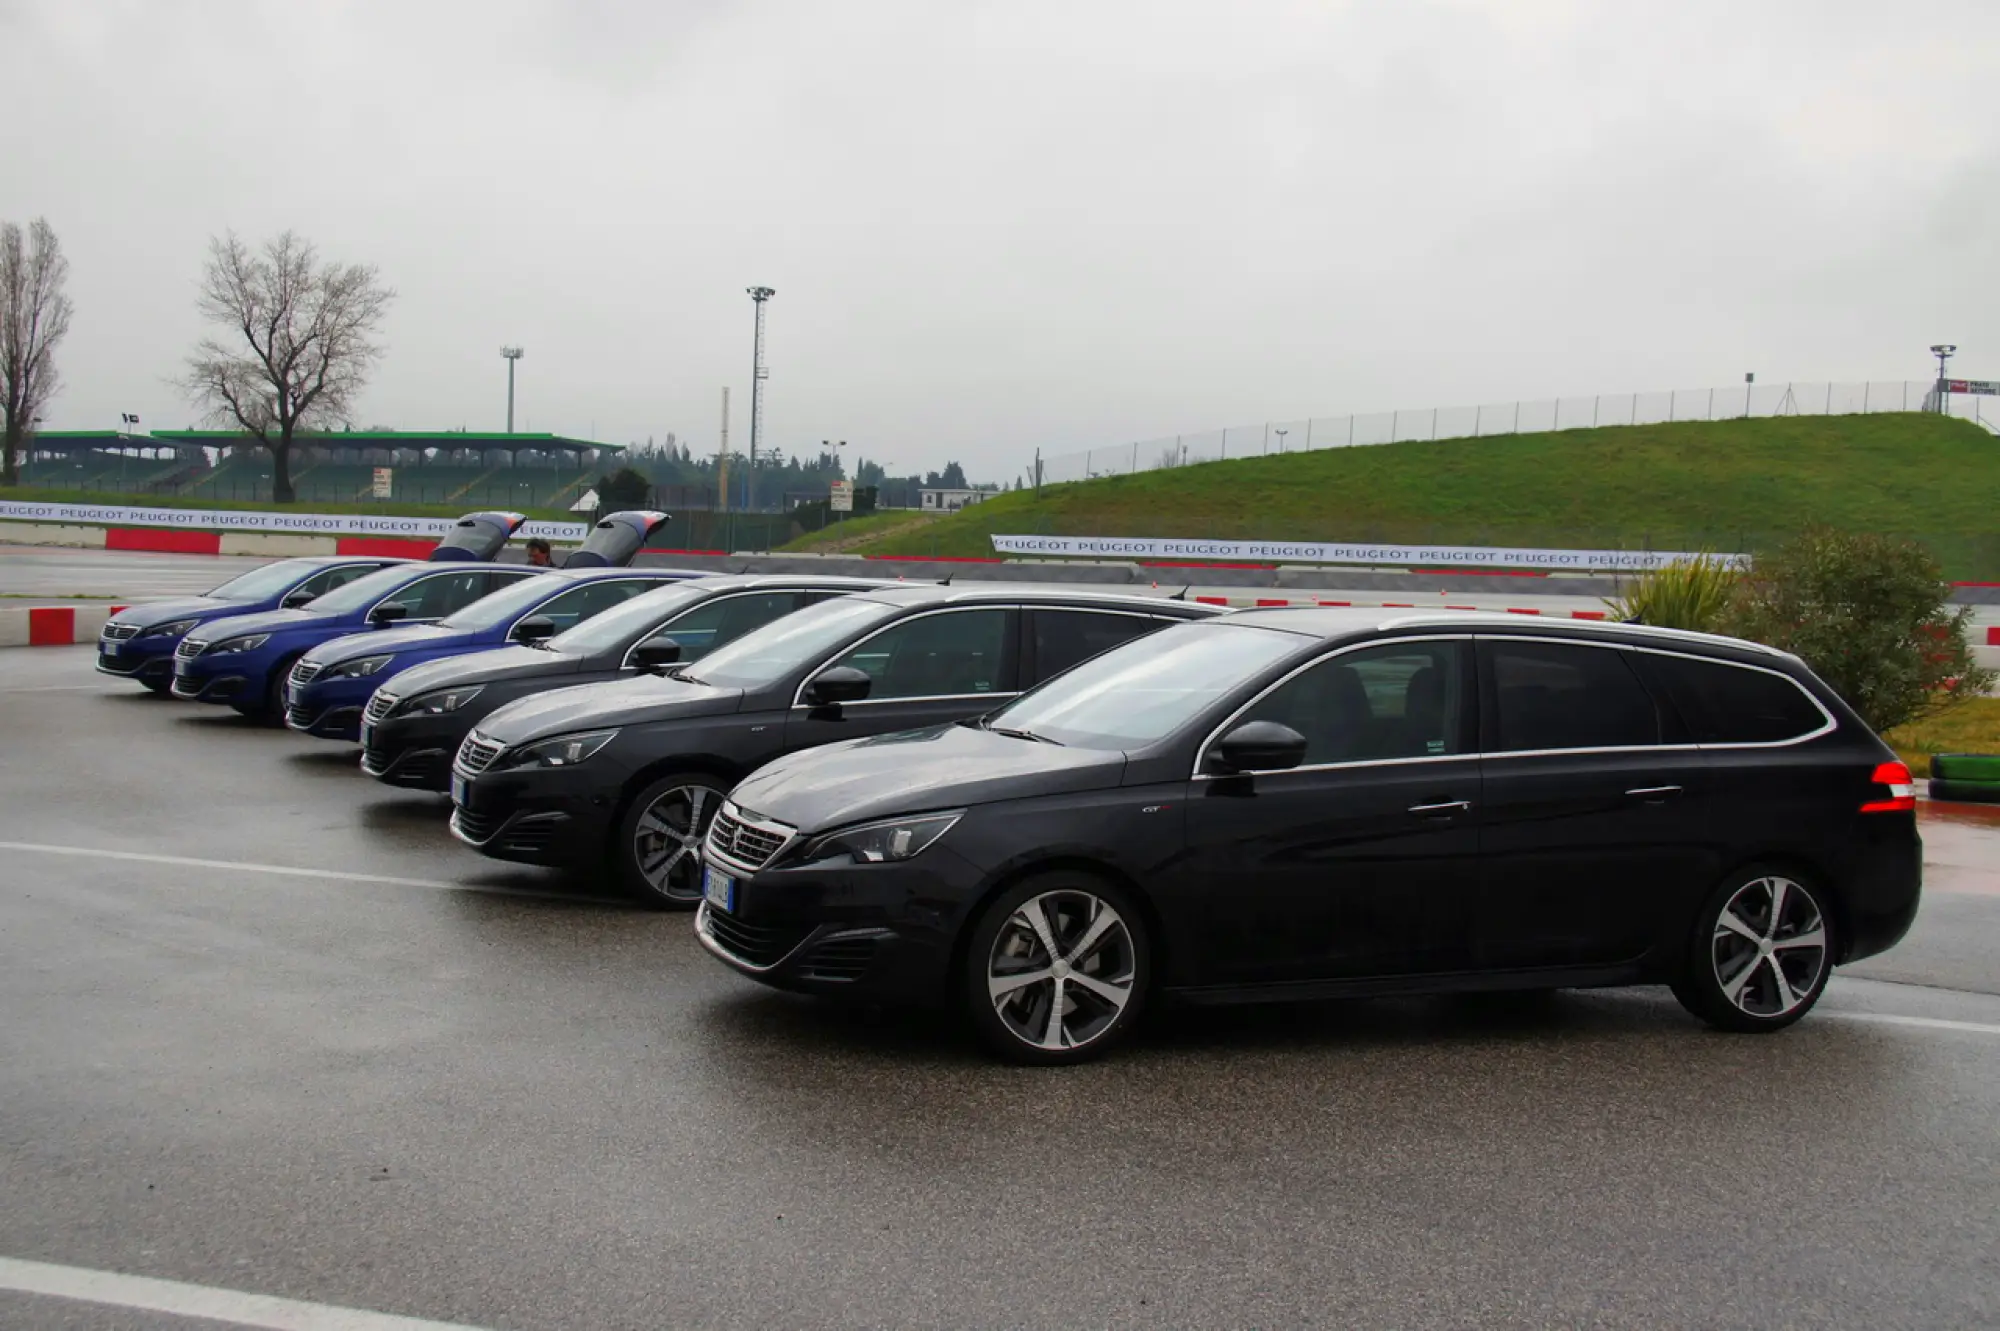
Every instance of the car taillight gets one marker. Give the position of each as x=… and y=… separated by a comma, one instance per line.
x=1902, y=790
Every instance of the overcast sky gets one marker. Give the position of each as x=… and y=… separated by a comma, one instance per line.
x=993, y=226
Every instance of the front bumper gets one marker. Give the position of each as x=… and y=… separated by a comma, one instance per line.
x=413, y=752
x=560, y=818
x=148, y=660
x=879, y=932
x=199, y=680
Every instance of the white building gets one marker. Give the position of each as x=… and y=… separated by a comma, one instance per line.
x=950, y=501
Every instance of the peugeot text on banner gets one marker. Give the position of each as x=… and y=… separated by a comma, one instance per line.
x=1327, y=552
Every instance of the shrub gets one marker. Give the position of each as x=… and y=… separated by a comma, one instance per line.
x=1870, y=615
x=1688, y=594
x=624, y=489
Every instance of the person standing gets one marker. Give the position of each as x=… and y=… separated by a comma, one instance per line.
x=539, y=554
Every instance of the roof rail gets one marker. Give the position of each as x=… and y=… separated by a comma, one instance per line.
x=1430, y=619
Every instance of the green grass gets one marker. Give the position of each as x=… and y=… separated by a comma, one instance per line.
x=1973, y=726
x=29, y=494
x=871, y=527
x=1726, y=486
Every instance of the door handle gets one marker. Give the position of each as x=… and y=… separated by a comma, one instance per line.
x=1443, y=809
x=1654, y=794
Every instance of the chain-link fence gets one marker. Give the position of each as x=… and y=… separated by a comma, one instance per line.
x=1505, y=418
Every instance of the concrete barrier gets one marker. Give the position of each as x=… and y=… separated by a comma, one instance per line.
x=53, y=625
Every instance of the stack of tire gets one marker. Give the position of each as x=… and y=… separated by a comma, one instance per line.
x=1966, y=778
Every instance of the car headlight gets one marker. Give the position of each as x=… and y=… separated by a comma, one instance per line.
x=249, y=644
x=437, y=704
x=359, y=667
x=562, y=751
x=173, y=630
x=886, y=842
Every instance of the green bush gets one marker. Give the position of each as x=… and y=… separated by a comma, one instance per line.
x=1870, y=615
x=1689, y=594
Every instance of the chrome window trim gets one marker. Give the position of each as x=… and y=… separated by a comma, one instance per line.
x=1201, y=753
x=1829, y=722
x=625, y=662
x=799, y=696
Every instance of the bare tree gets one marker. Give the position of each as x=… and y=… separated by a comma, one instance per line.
x=34, y=315
x=301, y=342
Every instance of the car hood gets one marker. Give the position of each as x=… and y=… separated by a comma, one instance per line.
x=271, y=621
x=381, y=641
x=940, y=767
x=495, y=665
x=617, y=702
x=181, y=607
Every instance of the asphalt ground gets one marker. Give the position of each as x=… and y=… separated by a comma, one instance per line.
x=266, y=1031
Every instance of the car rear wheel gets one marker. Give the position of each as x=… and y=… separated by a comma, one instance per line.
x=1761, y=955
x=1057, y=969
x=659, y=839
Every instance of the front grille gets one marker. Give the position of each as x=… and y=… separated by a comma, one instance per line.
x=749, y=844
x=839, y=959
x=120, y=632
x=305, y=672
x=190, y=648
x=477, y=754
x=476, y=827
x=112, y=663
x=379, y=706
x=750, y=944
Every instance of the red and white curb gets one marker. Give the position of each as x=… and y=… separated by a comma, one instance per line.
x=53, y=625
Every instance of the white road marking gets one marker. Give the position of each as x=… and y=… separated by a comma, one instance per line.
x=203, y=1301
x=1932, y=1023
x=239, y=866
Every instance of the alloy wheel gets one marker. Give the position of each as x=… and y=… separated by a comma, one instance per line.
x=1061, y=970
x=667, y=840
x=1770, y=948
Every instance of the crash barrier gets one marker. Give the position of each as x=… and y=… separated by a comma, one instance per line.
x=53, y=625
x=1971, y=778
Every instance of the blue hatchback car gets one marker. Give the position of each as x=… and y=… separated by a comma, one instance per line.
x=138, y=642
x=242, y=661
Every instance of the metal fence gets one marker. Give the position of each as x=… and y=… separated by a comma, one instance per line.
x=1505, y=418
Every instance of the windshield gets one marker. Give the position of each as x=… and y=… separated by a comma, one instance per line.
x=763, y=657
x=620, y=622
x=267, y=581
x=499, y=607
x=1147, y=689
x=367, y=590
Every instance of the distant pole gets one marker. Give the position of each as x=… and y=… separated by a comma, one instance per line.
x=758, y=374
x=512, y=354
x=1038, y=473
x=1944, y=351
x=1281, y=439
x=722, y=456
x=1748, y=380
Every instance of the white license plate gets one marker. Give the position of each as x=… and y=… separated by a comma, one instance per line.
x=720, y=889
x=460, y=795
x=367, y=733
x=111, y=649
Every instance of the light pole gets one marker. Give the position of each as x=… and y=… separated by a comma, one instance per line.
x=758, y=374
x=511, y=354
x=1281, y=439
x=1944, y=351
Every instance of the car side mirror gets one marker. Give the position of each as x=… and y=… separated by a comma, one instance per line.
x=388, y=613
x=534, y=628
x=657, y=654
x=838, y=684
x=1259, y=746
x=293, y=600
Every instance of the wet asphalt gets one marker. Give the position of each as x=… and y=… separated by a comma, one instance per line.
x=417, y=1081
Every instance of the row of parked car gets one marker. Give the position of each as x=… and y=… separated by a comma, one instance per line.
x=1046, y=804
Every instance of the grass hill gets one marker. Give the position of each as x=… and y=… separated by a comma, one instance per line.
x=1723, y=485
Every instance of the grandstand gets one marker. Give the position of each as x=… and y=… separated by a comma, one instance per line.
x=428, y=466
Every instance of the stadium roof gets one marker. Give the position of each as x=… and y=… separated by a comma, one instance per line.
x=365, y=439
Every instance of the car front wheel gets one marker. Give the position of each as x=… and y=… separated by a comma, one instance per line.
x=1761, y=955
x=659, y=840
x=1057, y=968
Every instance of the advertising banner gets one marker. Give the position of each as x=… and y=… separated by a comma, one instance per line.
x=226, y=519
x=1333, y=552
x=385, y=483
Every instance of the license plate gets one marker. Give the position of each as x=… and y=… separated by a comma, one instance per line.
x=461, y=792
x=183, y=669
x=720, y=889
x=367, y=734
x=111, y=649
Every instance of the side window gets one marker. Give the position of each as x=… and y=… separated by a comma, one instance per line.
x=1551, y=695
x=440, y=595
x=580, y=603
x=708, y=626
x=1732, y=704
x=1398, y=700
x=324, y=581
x=1064, y=638
x=956, y=652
